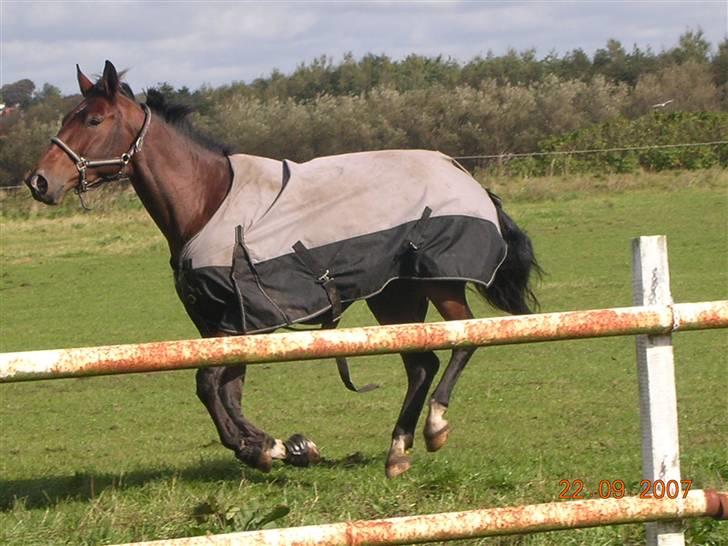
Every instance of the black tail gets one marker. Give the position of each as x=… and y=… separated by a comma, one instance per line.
x=511, y=291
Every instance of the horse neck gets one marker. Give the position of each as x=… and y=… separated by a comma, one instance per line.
x=180, y=183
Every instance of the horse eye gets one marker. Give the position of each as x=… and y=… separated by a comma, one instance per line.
x=95, y=120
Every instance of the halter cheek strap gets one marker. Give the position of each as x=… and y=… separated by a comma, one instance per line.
x=82, y=164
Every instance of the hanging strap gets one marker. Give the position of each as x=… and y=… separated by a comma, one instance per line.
x=416, y=234
x=240, y=255
x=324, y=278
x=343, y=366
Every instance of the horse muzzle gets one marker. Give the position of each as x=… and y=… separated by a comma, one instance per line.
x=40, y=189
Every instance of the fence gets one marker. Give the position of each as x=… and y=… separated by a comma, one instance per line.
x=475, y=523
x=654, y=318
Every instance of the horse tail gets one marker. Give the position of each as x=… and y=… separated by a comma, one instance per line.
x=511, y=289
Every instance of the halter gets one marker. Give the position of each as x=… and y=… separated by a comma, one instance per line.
x=82, y=164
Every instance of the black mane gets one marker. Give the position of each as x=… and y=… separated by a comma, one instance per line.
x=176, y=115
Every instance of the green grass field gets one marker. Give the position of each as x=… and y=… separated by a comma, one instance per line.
x=127, y=458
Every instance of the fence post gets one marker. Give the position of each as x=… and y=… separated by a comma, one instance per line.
x=656, y=377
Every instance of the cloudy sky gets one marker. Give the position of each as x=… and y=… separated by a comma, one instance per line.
x=215, y=42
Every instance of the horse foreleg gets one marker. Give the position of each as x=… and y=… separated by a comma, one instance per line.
x=257, y=448
x=207, y=391
x=221, y=389
x=249, y=444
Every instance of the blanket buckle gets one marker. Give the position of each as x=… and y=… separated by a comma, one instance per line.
x=327, y=283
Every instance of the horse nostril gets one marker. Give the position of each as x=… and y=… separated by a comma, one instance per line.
x=39, y=184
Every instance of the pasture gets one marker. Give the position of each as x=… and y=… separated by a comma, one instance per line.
x=123, y=458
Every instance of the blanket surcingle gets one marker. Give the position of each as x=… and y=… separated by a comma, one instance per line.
x=288, y=233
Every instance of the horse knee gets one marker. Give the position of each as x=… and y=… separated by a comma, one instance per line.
x=206, y=385
x=427, y=361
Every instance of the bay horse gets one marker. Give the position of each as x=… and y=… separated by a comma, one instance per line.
x=184, y=181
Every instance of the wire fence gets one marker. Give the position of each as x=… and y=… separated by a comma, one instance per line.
x=510, y=155
x=592, y=151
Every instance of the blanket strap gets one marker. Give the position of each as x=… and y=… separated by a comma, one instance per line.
x=324, y=278
x=416, y=234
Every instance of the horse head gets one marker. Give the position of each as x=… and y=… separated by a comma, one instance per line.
x=103, y=125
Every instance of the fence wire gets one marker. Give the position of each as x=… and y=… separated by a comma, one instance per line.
x=510, y=155
x=506, y=155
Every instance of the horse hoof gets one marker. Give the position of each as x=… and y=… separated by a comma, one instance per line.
x=438, y=439
x=397, y=465
x=301, y=451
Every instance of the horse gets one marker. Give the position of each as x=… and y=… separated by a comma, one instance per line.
x=184, y=181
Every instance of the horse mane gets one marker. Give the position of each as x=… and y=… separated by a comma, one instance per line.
x=173, y=114
x=98, y=87
x=177, y=116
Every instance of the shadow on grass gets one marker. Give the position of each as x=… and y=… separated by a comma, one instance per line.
x=350, y=461
x=49, y=491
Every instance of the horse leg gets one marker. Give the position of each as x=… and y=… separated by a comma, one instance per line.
x=208, y=380
x=220, y=389
x=403, y=302
x=449, y=299
x=257, y=448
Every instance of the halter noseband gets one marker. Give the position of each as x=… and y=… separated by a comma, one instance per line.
x=122, y=161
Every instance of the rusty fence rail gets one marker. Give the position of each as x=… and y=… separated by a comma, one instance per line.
x=196, y=353
x=653, y=319
x=476, y=523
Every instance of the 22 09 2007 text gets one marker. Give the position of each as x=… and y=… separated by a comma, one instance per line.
x=648, y=489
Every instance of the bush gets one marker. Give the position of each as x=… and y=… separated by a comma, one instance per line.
x=689, y=86
x=21, y=148
x=498, y=106
x=655, y=129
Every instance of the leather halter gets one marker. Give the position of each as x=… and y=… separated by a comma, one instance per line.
x=82, y=164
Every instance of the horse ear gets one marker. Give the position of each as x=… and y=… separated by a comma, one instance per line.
x=110, y=80
x=83, y=82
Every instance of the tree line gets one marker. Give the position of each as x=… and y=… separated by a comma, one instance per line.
x=490, y=105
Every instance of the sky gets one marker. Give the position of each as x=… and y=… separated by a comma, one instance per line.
x=193, y=43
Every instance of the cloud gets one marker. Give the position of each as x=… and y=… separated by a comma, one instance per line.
x=216, y=42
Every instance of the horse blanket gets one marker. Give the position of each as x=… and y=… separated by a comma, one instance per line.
x=287, y=233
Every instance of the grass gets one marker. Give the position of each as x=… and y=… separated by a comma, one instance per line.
x=125, y=458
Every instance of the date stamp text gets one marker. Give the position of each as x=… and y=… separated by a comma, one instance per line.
x=616, y=489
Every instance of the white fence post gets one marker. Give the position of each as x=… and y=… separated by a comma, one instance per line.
x=656, y=376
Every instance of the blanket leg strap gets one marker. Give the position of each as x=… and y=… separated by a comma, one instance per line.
x=343, y=366
x=324, y=278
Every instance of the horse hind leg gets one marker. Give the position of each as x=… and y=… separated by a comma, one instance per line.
x=403, y=302
x=449, y=299
x=421, y=369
